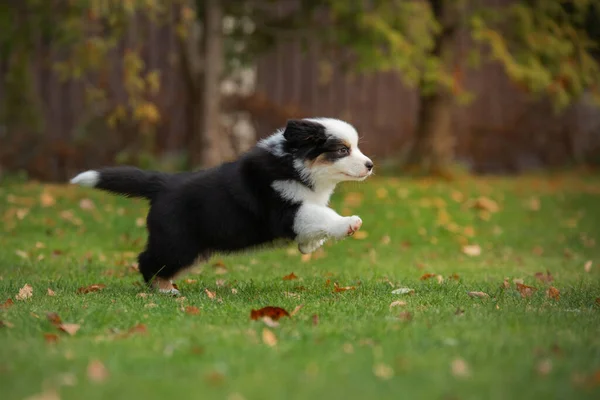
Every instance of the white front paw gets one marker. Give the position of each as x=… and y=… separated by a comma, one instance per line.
x=347, y=226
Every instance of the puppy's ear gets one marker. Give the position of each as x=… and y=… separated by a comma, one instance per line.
x=300, y=132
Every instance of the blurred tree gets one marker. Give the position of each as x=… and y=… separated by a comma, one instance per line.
x=545, y=46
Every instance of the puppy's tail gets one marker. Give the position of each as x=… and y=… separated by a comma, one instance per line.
x=128, y=181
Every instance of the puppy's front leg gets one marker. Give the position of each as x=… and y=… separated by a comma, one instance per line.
x=314, y=223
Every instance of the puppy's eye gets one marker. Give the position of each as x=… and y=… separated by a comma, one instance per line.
x=343, y=151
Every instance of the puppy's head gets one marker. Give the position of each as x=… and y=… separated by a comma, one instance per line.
x=326, y=150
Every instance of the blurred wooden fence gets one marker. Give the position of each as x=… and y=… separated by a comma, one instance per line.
x=502, y=130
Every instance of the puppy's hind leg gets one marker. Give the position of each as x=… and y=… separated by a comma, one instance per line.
x=155, y=273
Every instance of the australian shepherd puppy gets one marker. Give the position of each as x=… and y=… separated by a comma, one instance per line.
x=279, y=189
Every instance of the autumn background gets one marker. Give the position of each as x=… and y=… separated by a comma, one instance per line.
x=474, y=275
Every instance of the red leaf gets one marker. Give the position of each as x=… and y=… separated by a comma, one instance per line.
x=92, y=288
x=290, y=277
x=139, y=328
x=526, y=291
x=7, y=304
x=272, y=312
x=54, y=318
x=337, y=288
x=192, y=310
x=427, y=276
x=51, y=337
x=553, y=293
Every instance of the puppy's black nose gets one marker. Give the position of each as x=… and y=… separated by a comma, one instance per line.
x=369, y=165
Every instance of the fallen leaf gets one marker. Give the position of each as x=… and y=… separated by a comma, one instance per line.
x=190, y=281
x=269, y=337
x=139, y=328
x=405, y=316
x=51, y=292
x=8, y=303
x=553, y=293
x=46, y=199
x=272, y=312
x=454, y=277
x=54, y=318
x=211, y=295
x=295, y=311
x=22, y=254
x=97, y=372
x=25, y=292
x=460, y=368
x=526, y=291
x=268, y=321
x=71, y=329
x=192, y=310
x=218, y=282
x=6, y=324
x=337, y=288
x=51, y=338
x=534, y=204
x=403, y=291
x=459, y=311
x=506, y=284
x=315, y=319
x=92, y=288
x=290, y=277
x=544, y=278
x=485, y=204
x=397, y=303
x=22, y=213
x=544, y=367
x=385, y=240
x=427, y=276
x=86, y=204
x=48, y=394
x=480, y=295
x=472, y=250
x=234, y=291
x=360, y=235
x=383, y=371
x=588, y=266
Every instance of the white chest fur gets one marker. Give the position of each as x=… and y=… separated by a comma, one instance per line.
x=298, y=193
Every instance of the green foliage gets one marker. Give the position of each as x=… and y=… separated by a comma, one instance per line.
x=544, y=46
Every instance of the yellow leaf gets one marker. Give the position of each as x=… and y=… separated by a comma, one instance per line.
x=360, y=235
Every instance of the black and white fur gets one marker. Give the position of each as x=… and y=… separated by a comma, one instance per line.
x=279, y=189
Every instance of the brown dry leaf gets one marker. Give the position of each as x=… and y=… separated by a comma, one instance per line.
x=485, y=204
x=383, y=371
x=553, y=293
x=588, y=266
x=290, y=277
x=534, y=204
x=192, y=310
x=480, y=295
x=6, y=324
x=544, y=278
x=7, y=304
x=51, y=338
x=190, y=281
x=211, y=295
x=140, y=222
x=86, y=204
x=22, y=254
x=526, y=291
x=397, y=303
x=25, y=292
x=92, y=288
x=269, y=337
x=272, y=312
x=454, y=277
x=337, y=288
x=51, y=292
x=472, y=250
x=360, y=235
x=405, y=316
x=97, y=372
x=295, y=311
x=71, y=329
x=315, y=319
x=427, y=276
x=506, y=284
x=48, y=394
x=544, y=367
x=460, y=368
x=46, y=199
x=139, y=328
x=54, y=318
x=22, y=213
x=234, y=290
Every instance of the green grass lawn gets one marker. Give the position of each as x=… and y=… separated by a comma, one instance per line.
x=438, y=343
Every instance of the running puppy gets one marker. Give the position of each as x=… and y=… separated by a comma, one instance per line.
x=277, y=190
